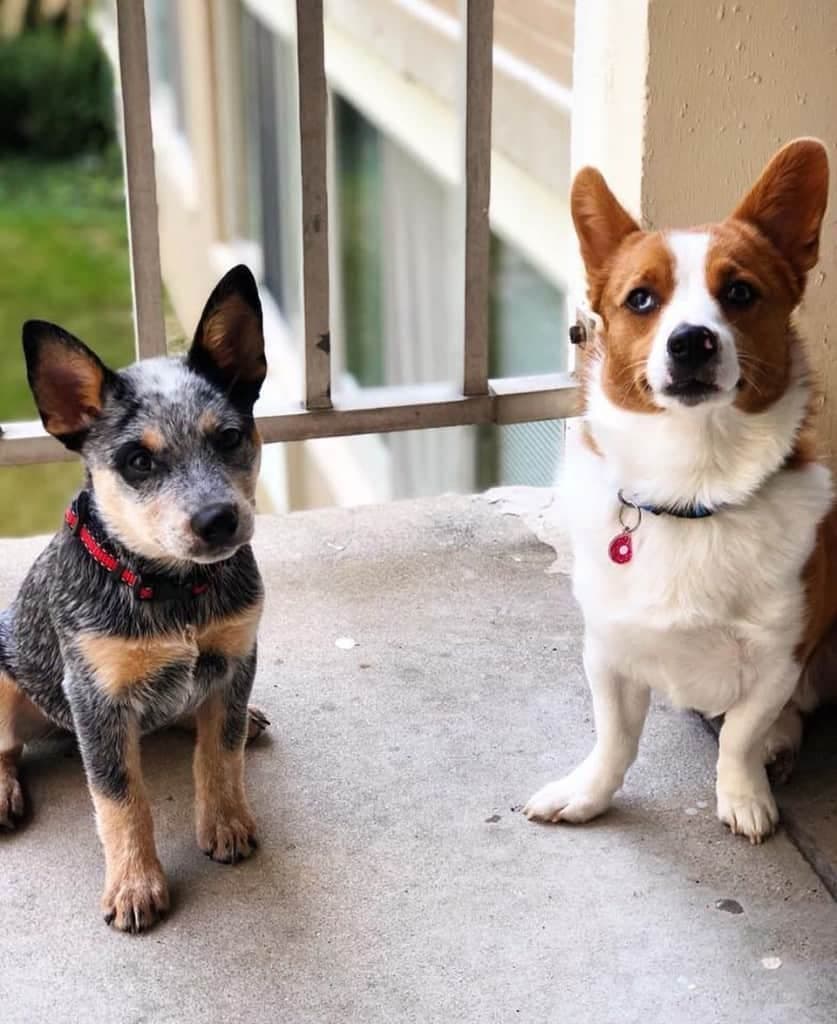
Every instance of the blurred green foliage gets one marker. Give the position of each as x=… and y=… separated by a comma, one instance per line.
x=63, y=257
x=56, y=93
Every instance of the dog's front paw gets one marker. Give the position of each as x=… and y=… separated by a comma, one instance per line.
x=575, y=798
x=135, y=901
x=257, y=722
x=227, y=836
x=752, y=814
x=11, y=801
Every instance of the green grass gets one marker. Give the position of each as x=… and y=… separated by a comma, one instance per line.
x=63, y=257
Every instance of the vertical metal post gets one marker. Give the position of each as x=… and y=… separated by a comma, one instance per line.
x=140, y=185
x=312, y=128
x=479, y=31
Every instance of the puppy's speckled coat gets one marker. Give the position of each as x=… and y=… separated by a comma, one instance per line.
x=171, y=455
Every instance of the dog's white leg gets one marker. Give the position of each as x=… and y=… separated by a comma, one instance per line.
x=745, y=801
x=619, y=706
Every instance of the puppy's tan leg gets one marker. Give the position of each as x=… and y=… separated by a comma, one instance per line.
x=20, y=721
x=225, y=827
x=136, y=894
x=11, y=796
x=257, y=723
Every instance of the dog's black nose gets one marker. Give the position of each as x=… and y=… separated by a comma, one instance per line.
x=216, y=523
x=691, y=347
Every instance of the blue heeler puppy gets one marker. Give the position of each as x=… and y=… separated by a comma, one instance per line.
x=143, y=609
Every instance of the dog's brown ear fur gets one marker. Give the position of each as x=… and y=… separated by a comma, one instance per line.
x=787, y=203
x=68, y=380
x=601, y=223
x=228, y=348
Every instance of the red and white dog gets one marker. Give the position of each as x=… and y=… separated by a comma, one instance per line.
x=703, y=528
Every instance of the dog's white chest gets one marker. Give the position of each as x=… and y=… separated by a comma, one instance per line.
x=700, y=601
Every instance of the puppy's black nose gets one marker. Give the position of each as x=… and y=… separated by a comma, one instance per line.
x=691, y=347
x=216, y=523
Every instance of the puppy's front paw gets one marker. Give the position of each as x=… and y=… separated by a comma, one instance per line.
x=257, y=722
x=11, y=801
x=752, y=814
x=575, y=798
x=135, y=901
x=227, y=836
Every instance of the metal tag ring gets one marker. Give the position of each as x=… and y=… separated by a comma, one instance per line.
x=626, y=503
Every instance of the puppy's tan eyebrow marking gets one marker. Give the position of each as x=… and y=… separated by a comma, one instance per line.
x=152, y=438
x=208, y=422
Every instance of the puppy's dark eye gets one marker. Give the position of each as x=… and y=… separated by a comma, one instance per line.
x=642, y=301
x=739, y=294
x=136, y=465
x=228, y=439
x=140, y=462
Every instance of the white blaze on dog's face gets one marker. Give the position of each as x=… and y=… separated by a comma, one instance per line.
x=700, y=318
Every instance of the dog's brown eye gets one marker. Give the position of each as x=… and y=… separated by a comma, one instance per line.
x=642, y=301
x=740, y=294
x=228, y=439
x=140, y=462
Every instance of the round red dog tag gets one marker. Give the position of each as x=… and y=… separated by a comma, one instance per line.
x=621, y=549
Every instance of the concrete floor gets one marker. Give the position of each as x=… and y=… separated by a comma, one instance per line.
x=397, y=880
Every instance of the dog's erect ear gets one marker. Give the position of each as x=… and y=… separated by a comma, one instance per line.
x=601, y=222
x=69, y=382
x=787, y=203
x=229, y=342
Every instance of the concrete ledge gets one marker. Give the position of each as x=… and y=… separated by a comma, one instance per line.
x=397, y=880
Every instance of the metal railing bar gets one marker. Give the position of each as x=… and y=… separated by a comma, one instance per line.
x=369, y=411
x=312, y=131
x=25, y=442
x=479, y=25
x=140, y=184
x=432, y=406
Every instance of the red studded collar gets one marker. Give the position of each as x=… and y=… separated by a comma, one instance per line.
x=145, y=587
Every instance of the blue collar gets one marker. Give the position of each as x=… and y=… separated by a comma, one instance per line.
x=690, y=512
x=695, y=511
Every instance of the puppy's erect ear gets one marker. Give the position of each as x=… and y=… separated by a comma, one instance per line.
x=787, y=203
x=229, y=343
x=69, y=382
x=601, y=222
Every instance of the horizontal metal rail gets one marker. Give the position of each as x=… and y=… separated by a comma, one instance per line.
x=370, y=411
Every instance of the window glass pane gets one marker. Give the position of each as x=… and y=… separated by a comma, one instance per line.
x=289, y=184
x=401, y=310
x=165, y=50
x=252, y=120
x=528, y=333
x=264, y=61
x=359, y=204
x=528, y=336
x=272, y=154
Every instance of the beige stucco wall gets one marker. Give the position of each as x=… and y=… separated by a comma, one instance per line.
x=682, y=103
